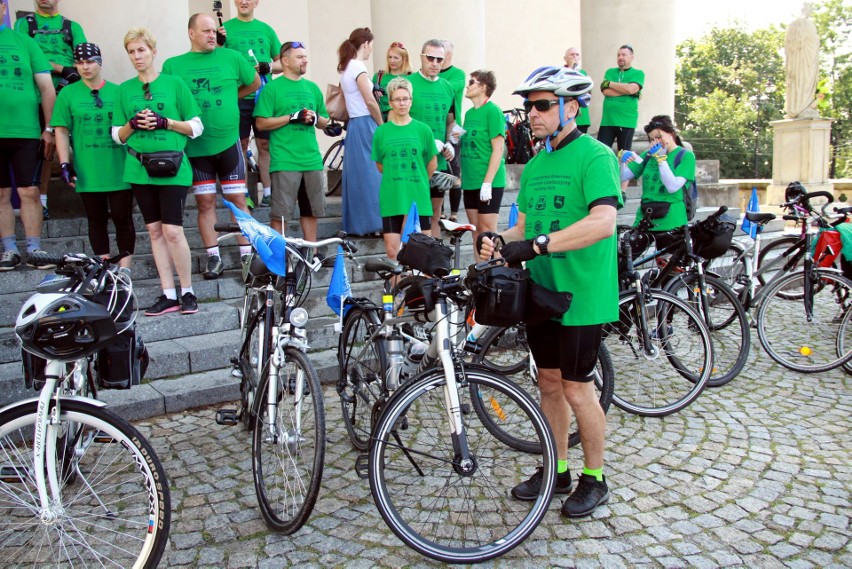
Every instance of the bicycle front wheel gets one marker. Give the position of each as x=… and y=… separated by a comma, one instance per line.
x=116, y=505
x=288, y=453
x=725, y=318
x=362, y=369
x=802, y=342
x=663, y=353
x=446, y=510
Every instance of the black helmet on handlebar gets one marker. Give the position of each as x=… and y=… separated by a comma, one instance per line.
x=795, y=190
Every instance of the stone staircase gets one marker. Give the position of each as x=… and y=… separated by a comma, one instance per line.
x=185, y=345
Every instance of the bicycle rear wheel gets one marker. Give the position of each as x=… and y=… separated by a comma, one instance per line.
x=287, y=456
x=424, y=493
x=362, y=369
x=116, y=508
x=333, y=163
x=673, y=371
x=254, y=353
x=731, y=268
x=797, y=342
x=725, y=318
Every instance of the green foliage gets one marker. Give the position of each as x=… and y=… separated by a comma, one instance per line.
x=730, y=84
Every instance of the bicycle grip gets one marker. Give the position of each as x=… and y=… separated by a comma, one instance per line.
x=227, y=227
x=843, y=210
x=791, y=217
x=720, y=211
x=819, y=194
x=47, y=259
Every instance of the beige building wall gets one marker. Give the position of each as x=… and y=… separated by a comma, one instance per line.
x=505, y=36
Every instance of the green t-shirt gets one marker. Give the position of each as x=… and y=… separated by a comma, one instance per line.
x=458, y=80
x=653, y=189
x=172, y=99
x=214, y=79
x=431, y=103
x=98, y=160
x=482, y=125
x=51, y=41
x=404, y=152
x=622, y=110
x=556, y=191
x=583, y=115
x=256, y=36
x=293, y=147
x=384, y=103
x=20, y=58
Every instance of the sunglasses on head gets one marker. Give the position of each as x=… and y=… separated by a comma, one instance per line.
x=433, y=58
x=96, y=95
x=146, y=88
x=292, y=45
x=541, y=105
x=398, y=44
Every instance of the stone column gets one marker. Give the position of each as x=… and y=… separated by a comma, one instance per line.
x=801, y=151
x=608, y=24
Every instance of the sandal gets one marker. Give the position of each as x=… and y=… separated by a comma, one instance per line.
x=454, y=218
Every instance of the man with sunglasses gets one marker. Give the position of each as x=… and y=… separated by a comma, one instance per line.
x=621, y=88
x=25, y=89
x=85, y=110
x=292, y=108
x=566, y=234
x=218, y=78
x=434, y=104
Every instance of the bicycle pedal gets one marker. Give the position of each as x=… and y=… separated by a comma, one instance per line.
x=465, y=408
x=227, y=417
x=103, y=438
x=362, y=466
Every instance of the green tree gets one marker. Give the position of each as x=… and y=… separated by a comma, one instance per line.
x=729, y=85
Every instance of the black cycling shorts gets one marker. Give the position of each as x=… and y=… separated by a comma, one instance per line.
x=393, y=223
x=19, y=159
x=571, y=349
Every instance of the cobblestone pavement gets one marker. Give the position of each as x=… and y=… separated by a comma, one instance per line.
x=755, y=474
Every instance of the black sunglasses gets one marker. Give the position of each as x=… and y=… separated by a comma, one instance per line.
x=96, y=94
x=433, y=58
x=146, y=88
x=541, y=105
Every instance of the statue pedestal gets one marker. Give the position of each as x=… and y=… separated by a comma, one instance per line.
x=801, y=151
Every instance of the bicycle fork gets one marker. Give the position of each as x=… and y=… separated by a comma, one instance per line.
x=291, y=437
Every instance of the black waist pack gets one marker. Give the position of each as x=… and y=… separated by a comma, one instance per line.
x=164, y=164
x=543, y=304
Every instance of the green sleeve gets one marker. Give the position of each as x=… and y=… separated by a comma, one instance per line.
x=246, y=70
x=264, y=106
x=429, y=147
x=187, y=104
x=77, y=35
x=62, y=110
x=637, y=169
x=601, y=179
x=686, y=168
x=376, y=152
x=275, y=43
x=496, y=122
x=38, y=60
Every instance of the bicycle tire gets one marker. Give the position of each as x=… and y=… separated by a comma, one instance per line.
x=768, y=266
x=793, y=341
x=254, y=353
x=116, y=467
x=495, y=413
x=362, y=368
x=333, y=162
x=287, y=474
x=438, y=511
x=505, y=349
x=651, y=390
x=731, y=268
x=726, y=320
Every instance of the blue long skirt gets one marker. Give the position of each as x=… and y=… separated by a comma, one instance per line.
x=361, y=179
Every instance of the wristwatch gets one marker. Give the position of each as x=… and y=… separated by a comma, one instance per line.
x=542, y=241
x=48, y=129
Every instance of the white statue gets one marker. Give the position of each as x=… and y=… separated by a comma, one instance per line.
x=801, y=47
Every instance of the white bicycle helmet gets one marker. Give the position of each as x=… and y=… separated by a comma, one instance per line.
x=561, y=81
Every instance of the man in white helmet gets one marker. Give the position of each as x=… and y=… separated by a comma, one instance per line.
x=566, y=234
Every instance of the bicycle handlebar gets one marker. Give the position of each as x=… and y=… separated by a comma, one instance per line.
x=340, y=239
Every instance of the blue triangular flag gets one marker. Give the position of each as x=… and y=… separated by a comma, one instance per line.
x=753, y=206
x=339, y=289
x=513, y=215
x=412, y=223
x=270, y=245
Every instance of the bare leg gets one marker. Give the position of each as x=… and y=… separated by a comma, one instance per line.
x=179, y=251
x=207, y=218
x=309, y=228
x=591, y=420
x=392, y=243
x=32, y=215
x=437, y=204
x=263, y=160
x=162, y=259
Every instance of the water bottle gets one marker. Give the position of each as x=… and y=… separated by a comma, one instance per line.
x=396, y=359
x=416, y=351
x=252, y=163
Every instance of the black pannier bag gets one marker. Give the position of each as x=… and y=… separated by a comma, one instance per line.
x=427, y=255
x=712, y=236
x=123, y=362
x=499, y=294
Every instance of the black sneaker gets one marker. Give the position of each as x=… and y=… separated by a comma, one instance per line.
x=528, y=490
x=586, y=498
x=214, y=267
x=35, y=259
x=188, y=303
x=9, y=260
x=163, y=305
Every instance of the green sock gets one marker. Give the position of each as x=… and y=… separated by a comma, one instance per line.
x=597, y=473
x=561, y=466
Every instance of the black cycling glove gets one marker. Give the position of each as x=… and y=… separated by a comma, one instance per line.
x=495, y=238
x=518, y=251
x=264, y=68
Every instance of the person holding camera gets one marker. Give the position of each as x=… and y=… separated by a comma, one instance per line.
x=566, y=234
x=155, y=117
x=259, y=44
x=218, y=78
x=291, y=108
x=98, y=164
x=57, y=36
x=360, y=179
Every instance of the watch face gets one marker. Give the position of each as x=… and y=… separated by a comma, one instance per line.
x=541, y=239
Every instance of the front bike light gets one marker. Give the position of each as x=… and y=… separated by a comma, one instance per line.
x=299, y=317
